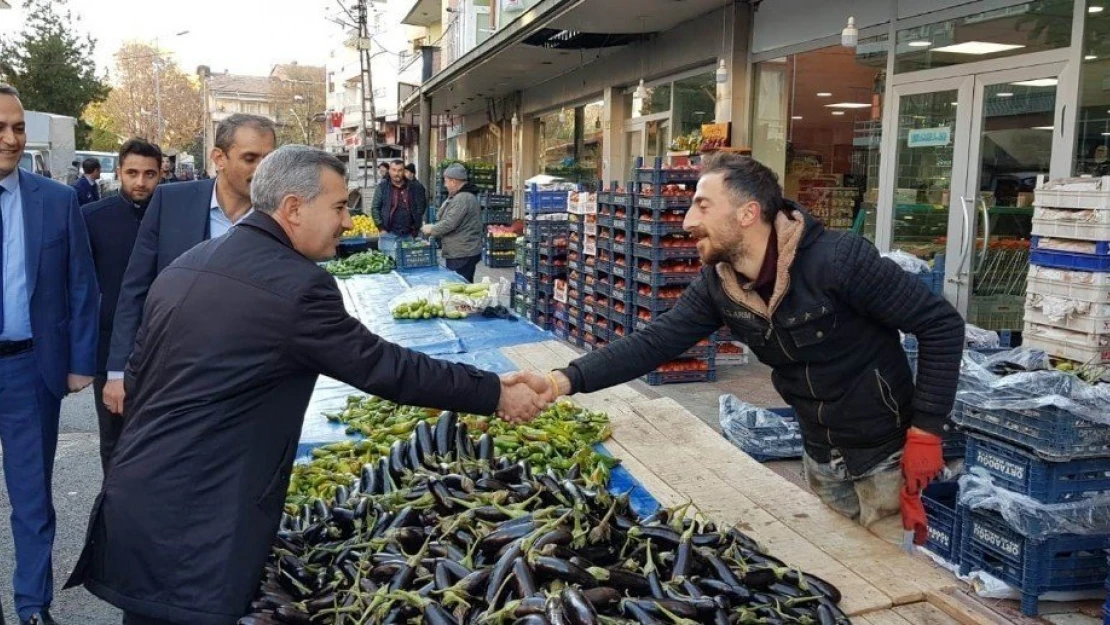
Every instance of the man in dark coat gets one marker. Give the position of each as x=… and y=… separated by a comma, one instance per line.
x=87, y=188
x=113, y=225
x=235, y=334
x=399, y=205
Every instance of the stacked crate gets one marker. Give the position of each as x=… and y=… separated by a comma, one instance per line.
x=613, y=292
x=665, y=261
x=592, y=331
x=498, y=249
x=546, y=233
x=1067, y=307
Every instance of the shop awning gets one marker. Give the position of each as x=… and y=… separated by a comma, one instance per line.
x=544, y=43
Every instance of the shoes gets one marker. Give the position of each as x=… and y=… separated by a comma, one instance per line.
x=40, y=618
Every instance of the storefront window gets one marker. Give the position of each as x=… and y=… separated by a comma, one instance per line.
x=1020, y=29
x=658, y=101
x=818, y=124
x=1092, y=141
x=695, y=103
x=570, y=144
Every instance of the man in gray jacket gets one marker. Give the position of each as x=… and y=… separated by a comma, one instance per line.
x=460, y=223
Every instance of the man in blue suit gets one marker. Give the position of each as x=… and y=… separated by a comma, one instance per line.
x=180, y=216
x=113, y=225
x=88, y=191
x=47, y=347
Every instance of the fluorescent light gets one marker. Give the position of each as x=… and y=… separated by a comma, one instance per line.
x=1090, y=57
x=796, y=117
x=1043, y=127
x=1040, y=82
x=955, y=104
x=1094, y=9
x=838, y=112
x=1005, y=94
x=978, y=48
x=824, y=94
x=1106, y=134
x=919, y=44
x=848, y=105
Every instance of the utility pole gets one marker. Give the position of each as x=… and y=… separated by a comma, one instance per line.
x=369, y=114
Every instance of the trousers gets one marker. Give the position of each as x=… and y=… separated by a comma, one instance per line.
x=866, y=499
x=110, y=424
x=131, y=618
x=29, y=436
x=464, y=266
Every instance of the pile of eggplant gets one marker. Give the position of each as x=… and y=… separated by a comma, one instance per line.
x=450, y=535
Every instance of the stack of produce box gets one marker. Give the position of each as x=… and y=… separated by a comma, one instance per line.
x=590, y=329
x=497, y=216
x=613, y=288
x=546, y=233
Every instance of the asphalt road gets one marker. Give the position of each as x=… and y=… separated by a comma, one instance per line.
x=76, y=482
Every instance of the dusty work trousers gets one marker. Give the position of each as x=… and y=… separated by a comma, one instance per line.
x=866, y=499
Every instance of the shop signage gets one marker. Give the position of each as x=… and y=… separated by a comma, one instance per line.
x=929, y=137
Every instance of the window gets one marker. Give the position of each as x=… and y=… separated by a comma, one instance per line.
x=818, y=124
x=695, y=103
x=570, y=143
x=1092, y=141
x=658, y=101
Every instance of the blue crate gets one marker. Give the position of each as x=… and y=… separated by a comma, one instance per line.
x=655, y=303
x=496, y=200
x=658, y=175
x=658, y=378
x=953, y=443
x=624, y=199
x=659, y=278
x=659, y=228
x=621, y=271
x=498, y=261
x=625, y=295
x=604, y=243
x=656, y=254
x=500, y=244
x=604, y=197
x=388, y=243
x=934, y=280
x=939, y=500
x=663, y=202
x=415, y=257
x=1102, y=248
x=788, y=445
x=604, y=221
x=1064, y=563
x=1019, y=471
x=1069, y=260
x=538, y=231
x=497, y=216
x=624, y=319
x=624, y=224
x=1050, y=432
x=541, y=202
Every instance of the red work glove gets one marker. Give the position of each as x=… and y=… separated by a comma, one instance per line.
x=922, y=459
x=913, y=516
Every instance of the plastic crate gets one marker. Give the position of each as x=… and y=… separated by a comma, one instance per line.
x=657, y=378
x=624, y=199
x=664, y=202
x=540, y=202
x=415, y=256
x=1102, y=248
x=1076, y=346
x=497, y=216
x=660, y=278
x=621, y=271
x=499, y=259
x=536, y=231
x=939, y=500
x=1064, y=563
x=658, y=175
x=1022, y=472
x=500, y=244
x=496, y=200
x=655, y=302
x=656, y=253
x=623, y=295
x=1050, y=433
x=658, y=228
x=604, y=221
x=934, y=280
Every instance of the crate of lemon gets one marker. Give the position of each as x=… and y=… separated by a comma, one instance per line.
x=562, y=436
x=449, y=301
x=363, y=226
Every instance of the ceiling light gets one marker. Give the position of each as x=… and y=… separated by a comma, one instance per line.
x=838, y=112
x=1094, y=9
x=1043, y=127
x=848, y=105
x=850, y=35
x=1106, y=134
x=1005, y=94
x=955, y=103
x=978, y=48
x=919, y=44
x=1090, y=57
x=1040, y=82
x=641, y=91
x=722, y=73
x=796, y=117
x=824, y=94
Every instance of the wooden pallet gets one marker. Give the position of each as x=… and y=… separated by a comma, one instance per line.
x=678, y=458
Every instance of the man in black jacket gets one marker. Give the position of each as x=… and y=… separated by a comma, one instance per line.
x=113, y=225
x=87, y=187
x=189, y=509
x=823, y=310
x=399, y=205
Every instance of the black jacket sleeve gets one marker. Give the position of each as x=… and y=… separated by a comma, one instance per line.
x=141, y=271
x=692, y=319
x=336, y=344
x=880, y=289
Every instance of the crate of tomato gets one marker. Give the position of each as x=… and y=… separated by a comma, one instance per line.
x=658, y=299
x=667, y=273
x=669, y=196
x=678, y=246
x=660, y=222
x=683, y=370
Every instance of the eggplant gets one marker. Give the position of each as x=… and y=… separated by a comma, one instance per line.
x=557, y=536
x=682, y=560
x=485, y=447
x=602, y=596
x=341, y=495
x=554, y=611
x=499, y=574
x=497, y=539
x=384, y=476
x=291, y=615
x=434, y=614
x=759, y=579
x=631, y=583
x=577, y=607
x=425, y=444
x=555, y=568
x=638, y=613
x=396, y=456
x=524, y=578
x=442, y=496
x=413, y=461
x=445, y=435
x=474, y=583
x=530, y=605
x=532, y=619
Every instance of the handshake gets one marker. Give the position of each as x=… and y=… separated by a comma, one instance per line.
x=524, y=394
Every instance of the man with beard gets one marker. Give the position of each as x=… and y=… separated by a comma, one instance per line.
x=113, y=225
x=399, y=204
x=180, y=216
x=823, y=310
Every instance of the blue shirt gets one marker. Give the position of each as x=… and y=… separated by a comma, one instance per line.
x=17, y=305
x=218, y=223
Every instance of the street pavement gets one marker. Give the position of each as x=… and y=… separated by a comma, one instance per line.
x=76, y=482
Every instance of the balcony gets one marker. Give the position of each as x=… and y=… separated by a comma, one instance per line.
x=423, y=13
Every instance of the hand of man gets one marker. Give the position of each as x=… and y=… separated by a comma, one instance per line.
x=77, y=383
x=519, y=403
x=913, y=516
x=426, y=229
x=922, y=459
x=114, y=396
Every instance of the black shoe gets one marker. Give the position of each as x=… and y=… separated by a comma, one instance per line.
x=40, y=618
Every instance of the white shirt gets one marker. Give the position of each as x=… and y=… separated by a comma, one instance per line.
x=218, y=221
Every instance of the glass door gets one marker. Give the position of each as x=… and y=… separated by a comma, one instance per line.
x=633, y=148
x=1014, y=128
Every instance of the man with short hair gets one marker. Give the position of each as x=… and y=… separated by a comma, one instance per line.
x=87, y=187
x=824, y=310
x=113, y=225
x=383, y=172
x=418, y=188
x=180, y=216
x=460, y=223
x=48, y=304
x=168, y=175
x=398, y=208
x=237, y=331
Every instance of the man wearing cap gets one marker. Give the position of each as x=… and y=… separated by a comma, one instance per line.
x=460, y=223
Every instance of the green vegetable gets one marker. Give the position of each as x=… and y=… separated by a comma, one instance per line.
x=360, y=264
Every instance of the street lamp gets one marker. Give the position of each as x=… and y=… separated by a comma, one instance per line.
x=158, y=61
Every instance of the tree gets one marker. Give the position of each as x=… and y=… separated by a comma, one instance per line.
x=50, y=63
x=299, y=96
x=152, y=99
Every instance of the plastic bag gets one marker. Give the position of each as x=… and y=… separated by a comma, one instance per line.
x=908, y=262
x=1032, y=518
x=981, y=387
x=424, y=302
x=978, y=337
x=760, y=433
x=471, y=299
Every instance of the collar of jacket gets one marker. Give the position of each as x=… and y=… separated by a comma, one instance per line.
x=269, y=225
x=795, y=231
